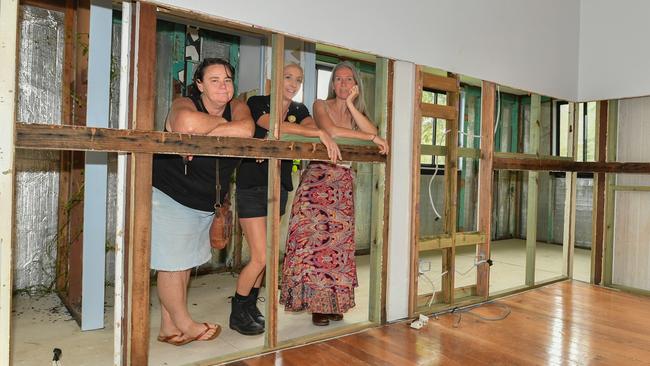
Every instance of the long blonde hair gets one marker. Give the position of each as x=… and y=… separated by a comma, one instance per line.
x=360, y=102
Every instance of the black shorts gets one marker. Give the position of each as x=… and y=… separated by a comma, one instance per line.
x=252, y=202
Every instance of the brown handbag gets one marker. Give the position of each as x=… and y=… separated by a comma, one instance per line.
x=221, y=227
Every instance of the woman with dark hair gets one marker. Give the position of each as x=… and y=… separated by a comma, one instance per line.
x=319, y=271
x=185, y=195
x=252, y=187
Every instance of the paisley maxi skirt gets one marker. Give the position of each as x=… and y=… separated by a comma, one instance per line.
x=319, y=272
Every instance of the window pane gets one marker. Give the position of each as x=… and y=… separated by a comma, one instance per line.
x=581, y=132
x=440, y=132
x=428, y=97
x=427, y=131
x=426, y=159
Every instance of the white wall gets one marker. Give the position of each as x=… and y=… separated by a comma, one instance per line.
x=614, y=49
x=527, y=44
x=399, y=226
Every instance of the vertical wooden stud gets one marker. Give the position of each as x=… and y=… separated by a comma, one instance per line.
x=415, y=192
x=610, y=198
x=140, y=185
x=485, y=186
x=568, y=244
x=273, y=218
x=598, y=213
x=8, y=85
x=451, y=199
x=378, y=197
x=533, y=190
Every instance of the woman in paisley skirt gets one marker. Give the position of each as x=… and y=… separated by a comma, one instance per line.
x=319, y=270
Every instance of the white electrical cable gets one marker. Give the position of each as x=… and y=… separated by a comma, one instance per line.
x=496, y=125
x=433, y=286
x=435, y=172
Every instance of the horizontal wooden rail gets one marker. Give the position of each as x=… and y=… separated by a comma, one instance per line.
x=441, y=83
x=444, y=241
x=438, y=111
x=624, y=188
x=438, y=150
x=569, y=166
x=76, y=138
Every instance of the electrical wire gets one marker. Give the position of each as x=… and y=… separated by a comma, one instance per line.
x=468, y=310
x=496, y=125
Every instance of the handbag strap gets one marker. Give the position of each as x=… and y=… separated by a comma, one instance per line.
x=217, y=203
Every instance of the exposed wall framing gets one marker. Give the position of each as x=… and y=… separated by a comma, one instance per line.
x=8, y=83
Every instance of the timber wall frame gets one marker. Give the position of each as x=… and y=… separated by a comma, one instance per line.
x=141, y=143
x=604, y=168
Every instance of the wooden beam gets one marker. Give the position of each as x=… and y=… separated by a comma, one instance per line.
x=377, y=223
x=440, y=83
x=273, y=218
x=533, y=164
x=8, y=88
x=140, y=185
x=387, y=189
x=598, y=206
x=49, y=137
x=71, y=181
x=533, y=190
x=415, y=192
x=610, y=195
x=446, y=241
x=485, y=186
x=569, y=236
x=451, y=195
x=439, y=150
x=439, y=111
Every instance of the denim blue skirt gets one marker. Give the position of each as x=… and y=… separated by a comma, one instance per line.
x=179, y=234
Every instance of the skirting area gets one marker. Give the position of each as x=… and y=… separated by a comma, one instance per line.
x=567, y=323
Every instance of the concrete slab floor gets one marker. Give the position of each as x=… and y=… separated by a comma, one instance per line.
x=40, y=324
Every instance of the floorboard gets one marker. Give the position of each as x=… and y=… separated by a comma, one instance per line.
x=566, y=323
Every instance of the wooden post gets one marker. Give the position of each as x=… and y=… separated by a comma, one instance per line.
x=8, y=85
x=568, y=244
x=71, y=181
x=598, y=193
x=610, y=195
x=533, y=190
x=273, y=218
x=485, y=186
x=451, y=198
x=415, y=192
x=377, y=223
x=140, y=186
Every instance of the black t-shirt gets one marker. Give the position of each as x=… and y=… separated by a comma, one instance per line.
x=252, y=174
x=197, y=188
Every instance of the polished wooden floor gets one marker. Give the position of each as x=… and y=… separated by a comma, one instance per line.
x=566, y=323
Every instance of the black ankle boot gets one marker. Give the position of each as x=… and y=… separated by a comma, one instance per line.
x=240, y=320
x=251, y=306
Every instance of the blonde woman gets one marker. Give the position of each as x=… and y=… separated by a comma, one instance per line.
x=252, y=187
x=319, y=270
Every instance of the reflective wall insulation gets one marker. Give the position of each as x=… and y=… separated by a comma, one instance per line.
x=37, y=179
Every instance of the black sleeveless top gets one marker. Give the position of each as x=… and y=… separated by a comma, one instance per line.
x=252, y=174
x=197, y=188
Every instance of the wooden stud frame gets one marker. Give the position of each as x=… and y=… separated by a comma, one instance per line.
x=415, y=192
x=568, y=243
x=8, y=87
x=533, y=190
x=273, y=219
x=485, y=186
x=610, y=197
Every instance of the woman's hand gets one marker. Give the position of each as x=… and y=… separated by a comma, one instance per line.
x=354, y=92
x=333, y=151
x=383, y=145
